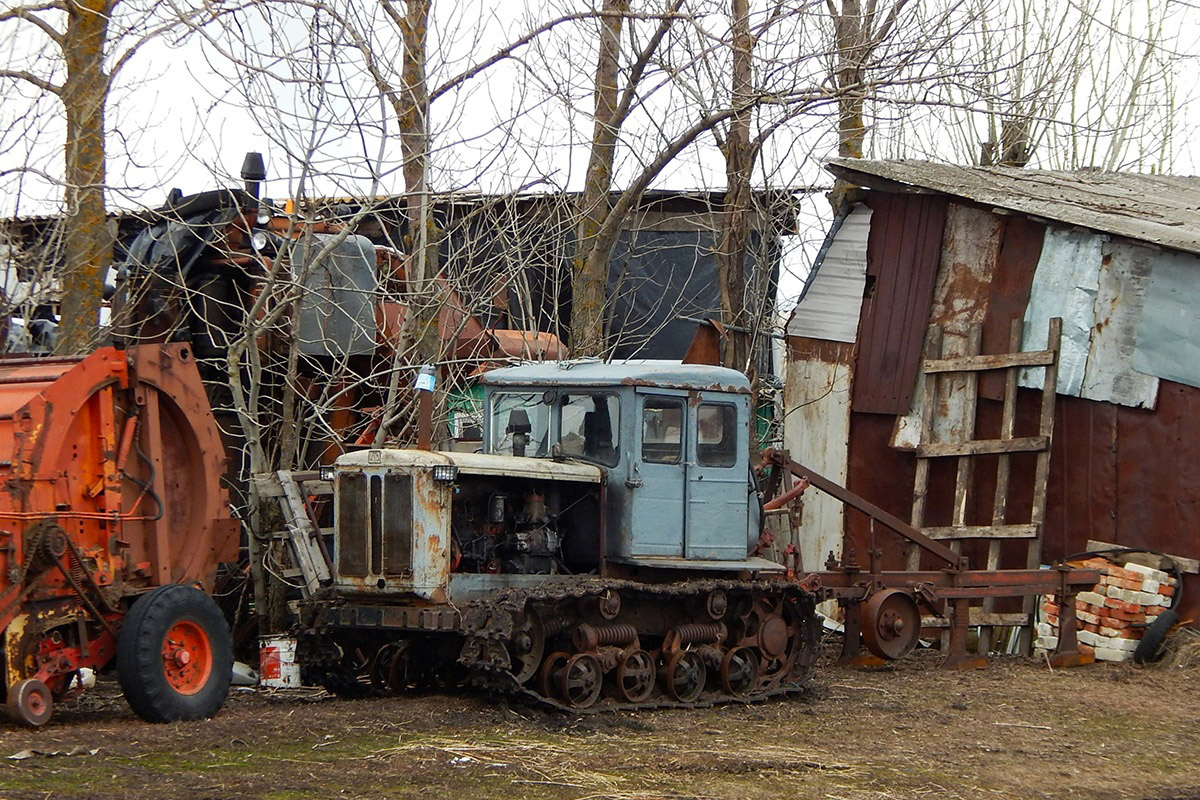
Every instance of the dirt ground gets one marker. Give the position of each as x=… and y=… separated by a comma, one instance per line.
x=1015, y=730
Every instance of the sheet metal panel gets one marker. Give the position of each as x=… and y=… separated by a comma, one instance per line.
x=829, y=308
x=1008, y=292
x=903, y=252
x=1064, y=285
x=1109, y=375
x=1168, y=338
x=816, y=429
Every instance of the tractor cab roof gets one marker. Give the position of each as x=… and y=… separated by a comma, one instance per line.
x=594, y=374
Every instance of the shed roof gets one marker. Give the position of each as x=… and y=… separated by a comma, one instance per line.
x=642, y=372
x=1159, y=209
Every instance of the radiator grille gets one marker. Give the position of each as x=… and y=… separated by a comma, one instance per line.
x=374, y=536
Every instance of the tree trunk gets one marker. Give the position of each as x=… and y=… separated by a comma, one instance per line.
x=589, y=273
x=87, y=241
x=421, y=321
x=850, y=30
x=735, y=210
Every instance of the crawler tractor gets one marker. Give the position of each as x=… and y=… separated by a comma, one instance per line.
x=595, y=554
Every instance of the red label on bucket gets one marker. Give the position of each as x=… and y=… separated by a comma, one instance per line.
x=269, y=664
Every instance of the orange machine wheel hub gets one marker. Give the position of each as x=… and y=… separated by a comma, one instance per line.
x=187, y=657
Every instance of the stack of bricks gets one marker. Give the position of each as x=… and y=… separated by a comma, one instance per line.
x=1111, y=618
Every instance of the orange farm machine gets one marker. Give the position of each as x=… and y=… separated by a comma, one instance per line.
x=113, y=522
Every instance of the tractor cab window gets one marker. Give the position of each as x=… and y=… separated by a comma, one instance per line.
x=589, y=427
x=520, y=424
x=716, y=435
x=662, y=431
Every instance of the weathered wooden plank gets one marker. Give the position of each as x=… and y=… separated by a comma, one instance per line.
x=933, y=348
x=1003, y=468
x=1024, y=444
x=978, y=617
x=1021, y=531
x=1189, y=565
x=302, y=530
x=990, y=361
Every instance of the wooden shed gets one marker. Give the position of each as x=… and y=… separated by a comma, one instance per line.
x=1116, y=256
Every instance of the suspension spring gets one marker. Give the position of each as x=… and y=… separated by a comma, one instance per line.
x=589, y=637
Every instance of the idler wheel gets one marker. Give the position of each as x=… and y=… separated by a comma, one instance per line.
x=684, y=676
x=773, y=636
x=29, y=703
x=581, y=680
x=635, y=676
x=739, y=671
x=546, y=676
x=891, y=624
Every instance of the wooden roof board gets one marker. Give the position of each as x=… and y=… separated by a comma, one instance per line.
x=1159, y=209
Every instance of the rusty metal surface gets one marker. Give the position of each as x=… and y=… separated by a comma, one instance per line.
x=816, y=428
x=1008, y=291
x=112, y=469
x=903, y=253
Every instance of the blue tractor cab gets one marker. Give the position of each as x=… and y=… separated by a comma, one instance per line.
x=673, y=439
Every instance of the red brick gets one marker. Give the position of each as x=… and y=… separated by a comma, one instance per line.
x=1086, y=649
x=1166, y=591
x=1050, y=608
x=1155, y=610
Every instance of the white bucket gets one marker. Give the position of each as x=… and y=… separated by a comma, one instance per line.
x=277, y=667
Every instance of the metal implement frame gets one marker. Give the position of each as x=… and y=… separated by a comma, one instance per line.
x=948, y=592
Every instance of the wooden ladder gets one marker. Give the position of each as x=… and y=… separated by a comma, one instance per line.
x=957, y=376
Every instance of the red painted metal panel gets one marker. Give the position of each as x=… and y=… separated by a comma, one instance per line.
x=1020, y=249
x=903, y=252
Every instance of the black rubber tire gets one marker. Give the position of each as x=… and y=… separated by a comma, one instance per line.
x=140, y=658
x=1150, y=647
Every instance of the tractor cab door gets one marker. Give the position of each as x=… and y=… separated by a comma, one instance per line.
x=718, y=486
x=658, y=474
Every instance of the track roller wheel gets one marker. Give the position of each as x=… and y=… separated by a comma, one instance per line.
x=527, y=647
x=29, y=703
x=553, y=665
x=684, y=676
x=581, y=680
x=174, y=655
x=891, y=624
x=380, y=669
x=739, y=671
x=635, y=676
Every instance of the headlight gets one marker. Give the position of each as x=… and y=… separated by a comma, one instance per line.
x=446, y=473
x=259, y=240
x=264, y=213
x=325, y=473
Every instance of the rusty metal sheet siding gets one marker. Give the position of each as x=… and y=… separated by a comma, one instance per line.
x=1128, y=476
x=903, y=251
x=970, y=248
x=1020, y=249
